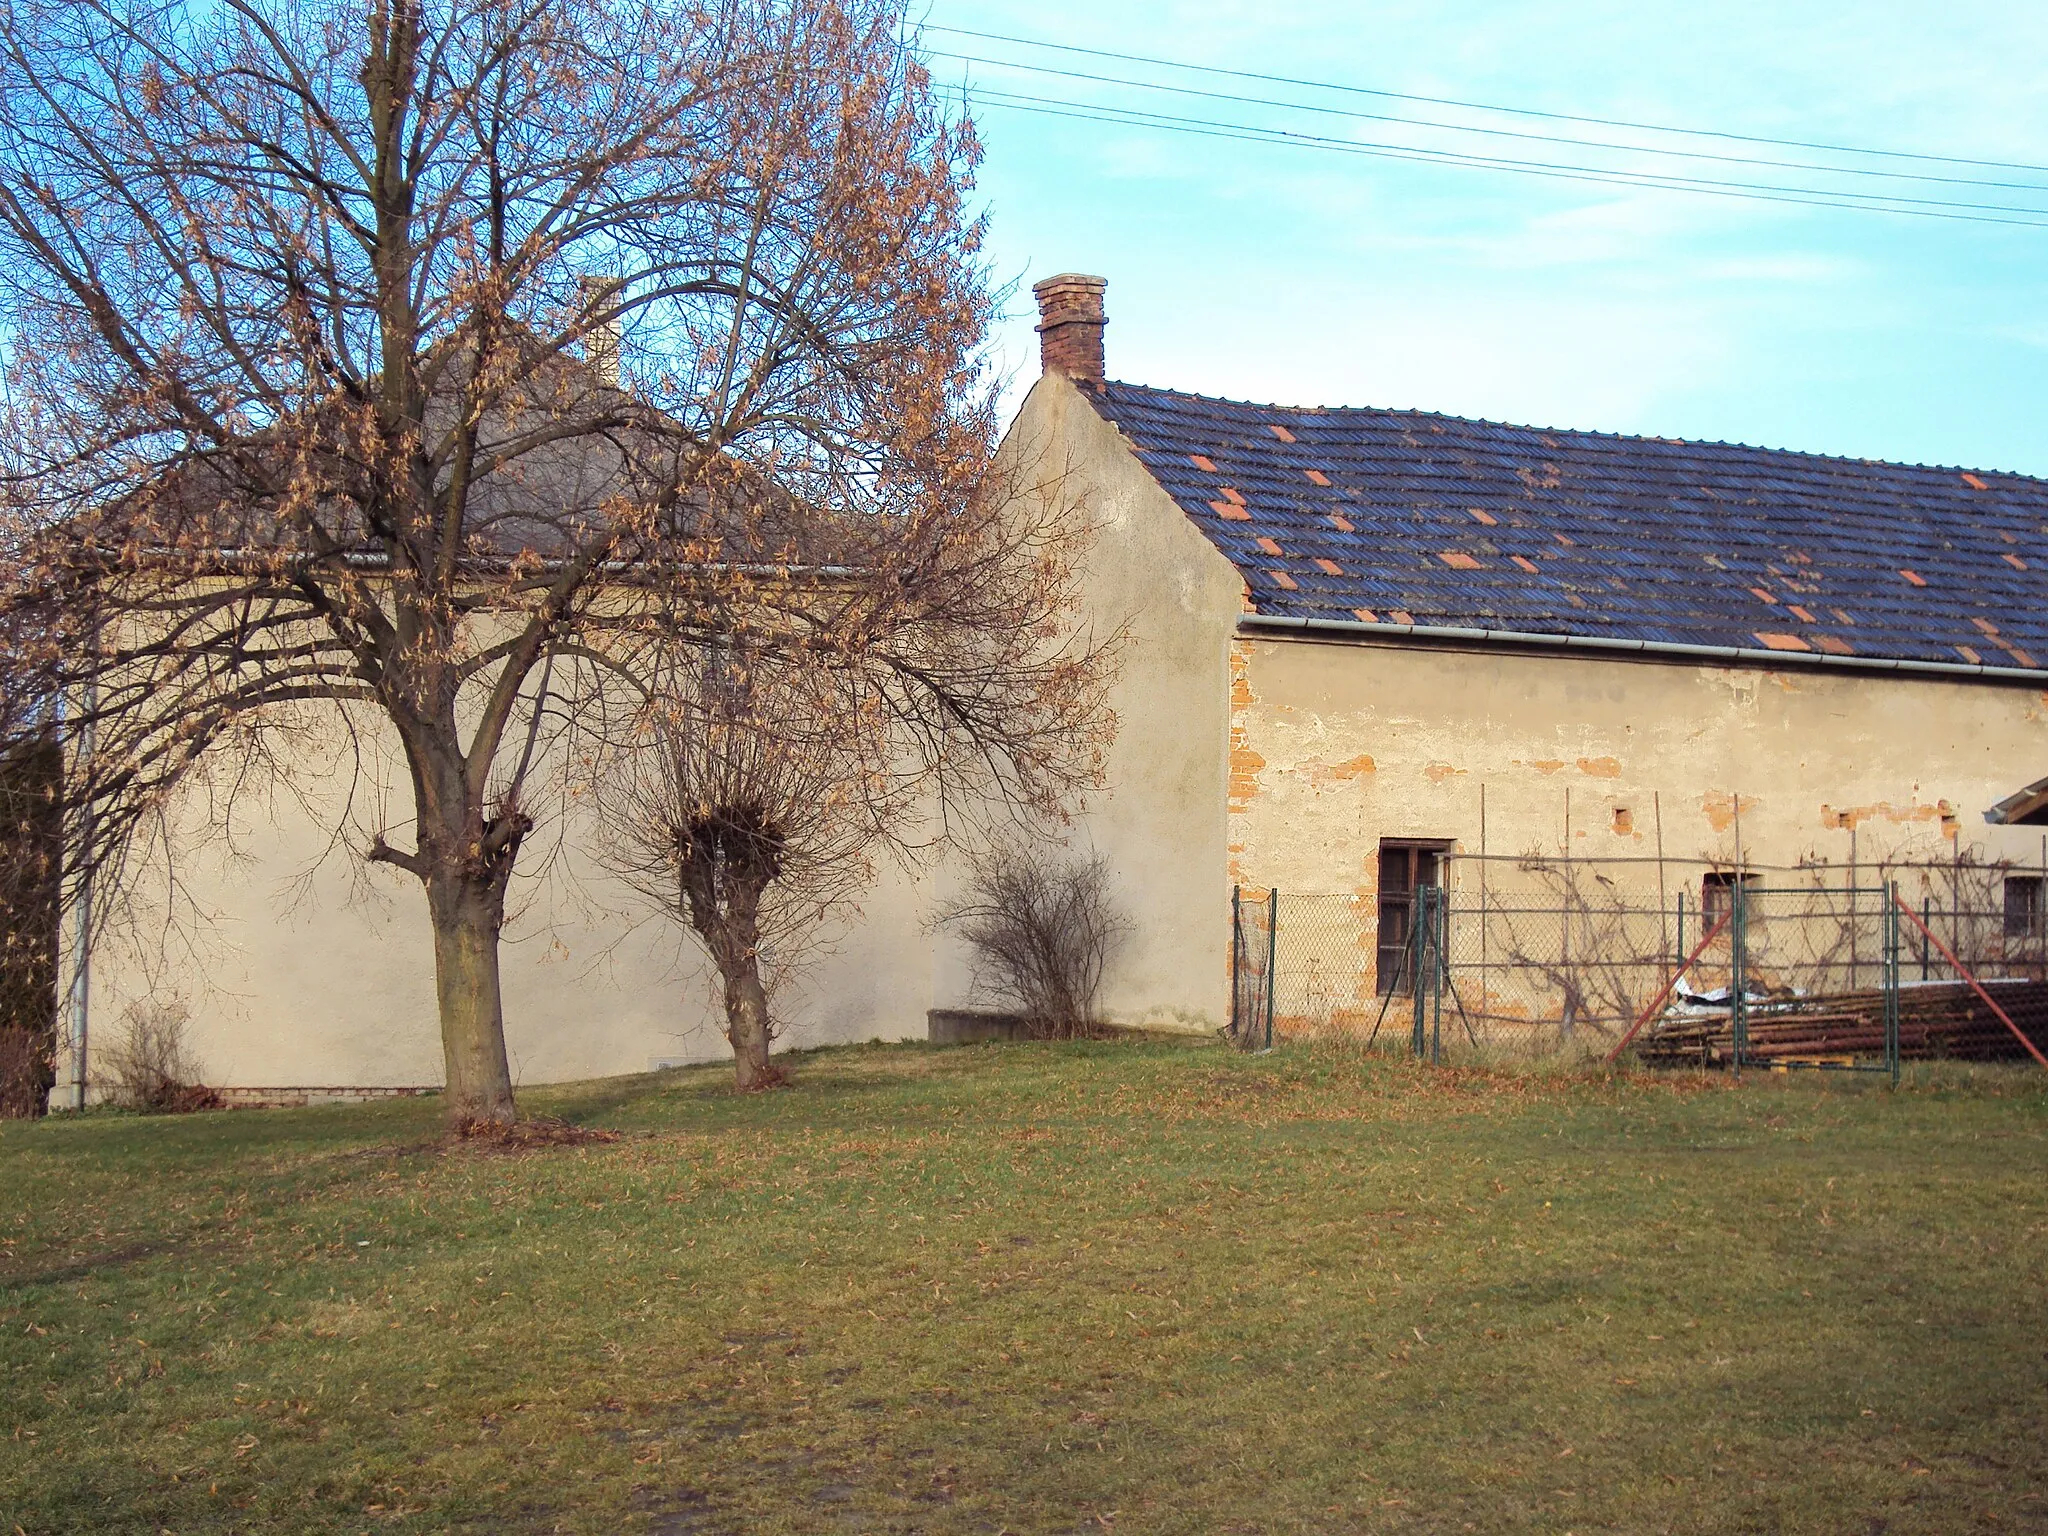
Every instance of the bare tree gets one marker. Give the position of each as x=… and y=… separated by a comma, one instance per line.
x=401, y=366
x=30, y=854
x=1044, y=926
x=747, y=802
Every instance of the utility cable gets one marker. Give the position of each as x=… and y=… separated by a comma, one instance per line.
x=1506, y=133
x=1481, y=106
x=1867, y=202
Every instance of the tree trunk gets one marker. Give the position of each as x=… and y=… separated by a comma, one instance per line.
x=467, y=916
x=746, y=1020
x=731, y=930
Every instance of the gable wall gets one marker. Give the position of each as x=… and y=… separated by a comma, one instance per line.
x=1161, y=817
x=301, y=966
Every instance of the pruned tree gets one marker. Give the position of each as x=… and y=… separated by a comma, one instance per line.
x=748, y=801
x=399, y=367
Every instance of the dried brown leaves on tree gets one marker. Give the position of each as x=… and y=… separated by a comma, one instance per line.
x=397, y=368
x=747, y=801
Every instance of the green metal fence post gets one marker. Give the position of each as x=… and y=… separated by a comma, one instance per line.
x=1891, y=976
x=1272, y=951
x=1438, y=973
x=1738, y=976
x=1418, y=985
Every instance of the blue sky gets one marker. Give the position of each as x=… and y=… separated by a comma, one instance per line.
x=1305, y=277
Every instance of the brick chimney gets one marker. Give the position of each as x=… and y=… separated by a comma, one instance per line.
x=1070, y=322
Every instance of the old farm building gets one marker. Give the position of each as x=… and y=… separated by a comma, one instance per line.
x=1370, y=653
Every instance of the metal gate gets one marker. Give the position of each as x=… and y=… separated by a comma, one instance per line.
x=1254, y=934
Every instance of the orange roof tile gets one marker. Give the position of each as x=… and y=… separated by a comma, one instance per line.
x=1835, y=645
x=1403, y=616
x=1282, y=433
x=1282, y=579
x=1202, y=461
x=1973, y=482
x=1777, y=642
x=1801, y=614
x=1760, y=592
x=1316, y=477
x=1231, y=493
x=1457, y=560
x=1528, y=565
x=1484, y=516
x=1341, y=523
x=1914, y=577
x=1269, y=546
x=1231, y=510
x=1984, y=624
x=1970, y=655
x=1330, y=567
x=1366, y=616
x=2016, y=562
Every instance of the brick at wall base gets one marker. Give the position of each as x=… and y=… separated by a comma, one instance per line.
x=299, y=1098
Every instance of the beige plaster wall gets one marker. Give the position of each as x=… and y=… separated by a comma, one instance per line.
x=1338, y=745
x=1161, y=819
x=301, y=965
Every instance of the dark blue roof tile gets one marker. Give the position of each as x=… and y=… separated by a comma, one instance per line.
x=1637, y=538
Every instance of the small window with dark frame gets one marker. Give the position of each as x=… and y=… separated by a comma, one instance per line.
x=1407, y=864
x=2023, y=906
x=1717, y=888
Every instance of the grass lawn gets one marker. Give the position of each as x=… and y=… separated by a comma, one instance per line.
x=1045, y=1289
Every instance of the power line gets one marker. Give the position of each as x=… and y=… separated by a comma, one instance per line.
x=1481, y=106
x=1745, y=191
x=1509, y=133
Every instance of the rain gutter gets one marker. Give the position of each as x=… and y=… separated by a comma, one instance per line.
x=1279, y=626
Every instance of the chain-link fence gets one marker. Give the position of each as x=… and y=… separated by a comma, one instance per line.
x=1536, y=956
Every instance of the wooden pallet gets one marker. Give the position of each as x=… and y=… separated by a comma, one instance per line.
x=1939, y=1021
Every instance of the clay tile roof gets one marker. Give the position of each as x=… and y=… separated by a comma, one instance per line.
x=1643, y=538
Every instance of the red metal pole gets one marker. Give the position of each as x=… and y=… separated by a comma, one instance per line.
x=1665, y=991
x=1975, y=986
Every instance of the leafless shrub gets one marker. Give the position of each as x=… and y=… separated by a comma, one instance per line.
x=150, y=1069
x=1044, y=927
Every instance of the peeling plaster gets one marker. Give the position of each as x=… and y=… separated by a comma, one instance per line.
x=1854, y=816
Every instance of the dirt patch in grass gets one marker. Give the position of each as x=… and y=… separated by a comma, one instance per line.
x=529, y=1133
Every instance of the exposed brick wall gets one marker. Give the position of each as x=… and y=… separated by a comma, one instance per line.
x=1070, y=325
x=299, y=1098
